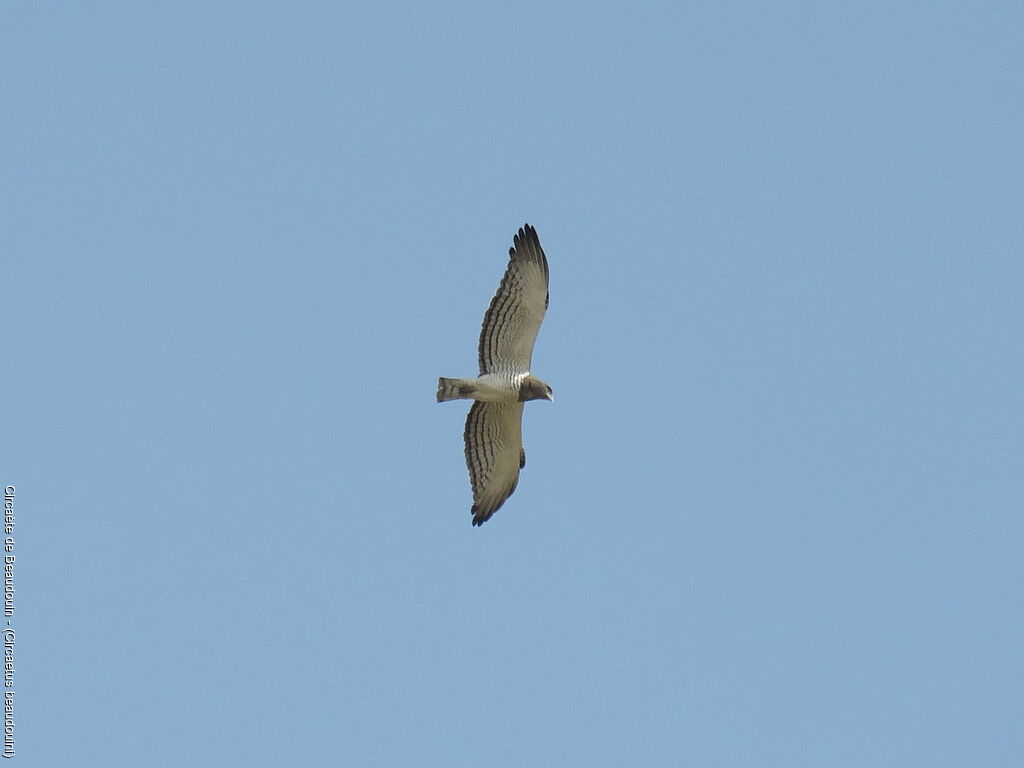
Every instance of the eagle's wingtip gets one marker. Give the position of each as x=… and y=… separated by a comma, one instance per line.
x=479, y=518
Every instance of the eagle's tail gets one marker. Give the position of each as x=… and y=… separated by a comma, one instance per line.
x=453, y=389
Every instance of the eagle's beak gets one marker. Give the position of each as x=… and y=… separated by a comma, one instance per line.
x=551, y=396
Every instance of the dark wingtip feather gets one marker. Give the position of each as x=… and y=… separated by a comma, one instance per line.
x=527, y=239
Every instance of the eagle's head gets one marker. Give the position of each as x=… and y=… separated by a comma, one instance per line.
x=533, y=388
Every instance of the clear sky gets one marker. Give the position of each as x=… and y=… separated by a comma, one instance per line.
x=774, y=515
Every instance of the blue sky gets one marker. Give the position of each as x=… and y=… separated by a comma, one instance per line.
x=773, y=517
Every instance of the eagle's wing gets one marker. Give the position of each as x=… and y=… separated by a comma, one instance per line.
x=517, y=309
x=494, y=454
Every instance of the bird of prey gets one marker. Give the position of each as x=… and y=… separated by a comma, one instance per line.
x=494, y=427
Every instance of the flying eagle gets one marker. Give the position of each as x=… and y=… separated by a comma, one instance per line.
x=494, y=427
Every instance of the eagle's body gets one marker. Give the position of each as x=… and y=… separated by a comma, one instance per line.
x=493, y=388
x=493, y=434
